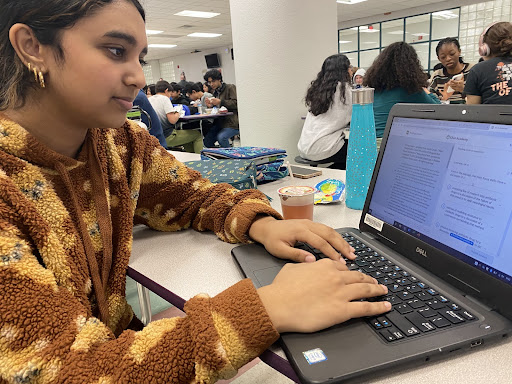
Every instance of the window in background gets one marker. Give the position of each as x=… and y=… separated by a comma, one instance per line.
x=392, y=31
x=422, y=31
x=167, y=71
x=445, y=23
x=148, y=74
x=422, y=51
x=348, y=40
x=433, y=55
x=417, y=28
x=353, y=57
x=369, y=36
x=366, y=57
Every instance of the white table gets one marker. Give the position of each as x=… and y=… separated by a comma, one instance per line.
x=180, y=265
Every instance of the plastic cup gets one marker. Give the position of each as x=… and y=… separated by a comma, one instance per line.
x=297, y=202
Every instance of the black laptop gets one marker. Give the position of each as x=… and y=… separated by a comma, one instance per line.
x=436, y=228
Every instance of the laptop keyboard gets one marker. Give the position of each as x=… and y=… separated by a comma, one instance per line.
x=417, y=309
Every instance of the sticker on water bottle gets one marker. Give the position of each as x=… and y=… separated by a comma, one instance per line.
x=314, y=356
x=373, y=222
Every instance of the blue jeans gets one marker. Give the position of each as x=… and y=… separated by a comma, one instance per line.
x=222, y=135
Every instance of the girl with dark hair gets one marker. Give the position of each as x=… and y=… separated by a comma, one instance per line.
x=397, y=77
x=75, y=176
x=329, y=100
x=490, y=81
x=442, y=82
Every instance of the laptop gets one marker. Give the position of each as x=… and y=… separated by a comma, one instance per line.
x=436, y=228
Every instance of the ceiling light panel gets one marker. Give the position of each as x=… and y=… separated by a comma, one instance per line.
x=204, y=15
x=162, y=45
x=202, y=34
x=350, y=2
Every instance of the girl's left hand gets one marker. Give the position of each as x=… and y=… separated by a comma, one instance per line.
x=279, y=237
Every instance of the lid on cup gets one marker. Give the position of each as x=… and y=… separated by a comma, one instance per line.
x=294, y=190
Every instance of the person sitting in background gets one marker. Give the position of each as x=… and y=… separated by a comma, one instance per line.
x=489, y=82
x=207, y=88
x=397, y=77
x=177, y=96
x=329, y=100
x=154, y=126
x=194, y=91
x=169, y=115
x=357, y=79
x=224, y=95
x=441, y=82
x=151, y=91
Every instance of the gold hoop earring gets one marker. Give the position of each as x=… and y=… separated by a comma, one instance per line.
x=41, y=80
x=35, y=74
x=29, y=67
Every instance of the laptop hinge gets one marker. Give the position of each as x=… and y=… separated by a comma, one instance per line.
x=476, y=301
x=369, y=235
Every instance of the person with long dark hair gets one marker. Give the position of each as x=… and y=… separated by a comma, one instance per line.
x=75, y=176
x=397, y=77
x=329, y=100
x=490, y=81
x=442, y=81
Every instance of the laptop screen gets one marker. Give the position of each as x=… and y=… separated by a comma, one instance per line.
x=449, y=183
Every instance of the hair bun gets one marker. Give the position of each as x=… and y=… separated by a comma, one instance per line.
x=506, y=46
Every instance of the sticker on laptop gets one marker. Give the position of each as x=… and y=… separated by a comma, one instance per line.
x=314, y=356
x=373, y=222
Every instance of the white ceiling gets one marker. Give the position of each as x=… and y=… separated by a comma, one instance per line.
x=160, y=16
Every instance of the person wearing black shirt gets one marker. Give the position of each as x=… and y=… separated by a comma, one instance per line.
x=490, y=82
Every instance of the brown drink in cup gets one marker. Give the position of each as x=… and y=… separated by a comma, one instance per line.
x=297, y=202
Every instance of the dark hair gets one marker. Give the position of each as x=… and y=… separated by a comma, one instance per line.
x=438, y=66
x=47, y=20
x=320, y=94
x=161, y=86
x=175, y=87
x=208, y=86
x=447, y=41
x=197, y=87
x=214, y=74
x=397, y=65
x=499, y=39
x=152, y=89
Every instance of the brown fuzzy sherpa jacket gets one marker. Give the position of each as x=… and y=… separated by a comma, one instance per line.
x=65, y=241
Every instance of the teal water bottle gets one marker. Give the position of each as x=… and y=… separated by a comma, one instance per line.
x=362, y=148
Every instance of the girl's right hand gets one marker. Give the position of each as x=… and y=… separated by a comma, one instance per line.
x=309, y=297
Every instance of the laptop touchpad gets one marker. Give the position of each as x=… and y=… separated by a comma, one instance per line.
x=267, y=275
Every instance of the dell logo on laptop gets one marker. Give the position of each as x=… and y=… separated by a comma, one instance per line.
x=422, y=252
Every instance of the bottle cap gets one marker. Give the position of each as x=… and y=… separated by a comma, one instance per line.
x=362, y=95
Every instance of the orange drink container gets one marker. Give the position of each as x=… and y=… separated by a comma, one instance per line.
x=297, y=202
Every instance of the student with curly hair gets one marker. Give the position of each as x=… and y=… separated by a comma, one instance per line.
x=329, y=100
x=489, y=81
x=442, y=82
x=397, y=77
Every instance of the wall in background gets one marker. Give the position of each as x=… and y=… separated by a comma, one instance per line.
x=194, y=65
x=474, y=18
